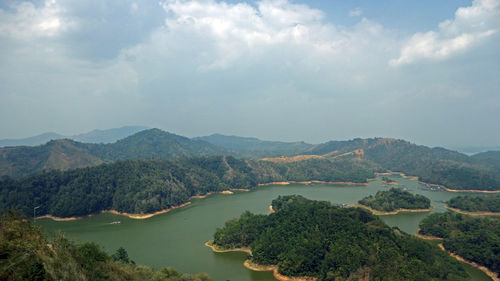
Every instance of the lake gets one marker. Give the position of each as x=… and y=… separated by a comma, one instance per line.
x=177, y=238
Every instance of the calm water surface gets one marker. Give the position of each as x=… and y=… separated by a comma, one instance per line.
x=177, y=238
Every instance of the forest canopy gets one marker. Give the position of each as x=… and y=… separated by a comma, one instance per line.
x=314, y=238
x=474, y=238
x=476, y=203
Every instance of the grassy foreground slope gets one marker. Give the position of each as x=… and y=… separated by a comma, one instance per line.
x=25, y=254
x=314, y=238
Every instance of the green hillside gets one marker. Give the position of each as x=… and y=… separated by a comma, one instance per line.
x=149, y=185
x=476, y=239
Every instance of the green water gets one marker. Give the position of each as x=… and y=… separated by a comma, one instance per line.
x=177, y=238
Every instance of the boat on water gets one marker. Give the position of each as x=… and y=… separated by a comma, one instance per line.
x=115, y=222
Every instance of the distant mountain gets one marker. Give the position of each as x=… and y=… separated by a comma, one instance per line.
x=477, y=149
x=155, y=143
x=432, y=165
x=61, y=154
x=108, y=136
x=487, y=155
x=31, y=141
x=67, y=154
x=95, y=136
x=256, y=147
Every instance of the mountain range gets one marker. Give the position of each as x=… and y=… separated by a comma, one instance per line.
x=432, y=165
x=94, y=136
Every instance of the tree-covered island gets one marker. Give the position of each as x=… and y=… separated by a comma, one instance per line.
x=396, y=199
x=316, y=239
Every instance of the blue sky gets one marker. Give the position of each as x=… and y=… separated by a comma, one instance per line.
x=425, y=71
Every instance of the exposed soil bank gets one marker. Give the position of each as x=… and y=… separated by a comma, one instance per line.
x=274, y=268
x=479, y=213
x=258, y=267
x=382, y=213
x=144, y=216
x=214, y=248
x=309, y=182
x=491, y=274
x=438, y=185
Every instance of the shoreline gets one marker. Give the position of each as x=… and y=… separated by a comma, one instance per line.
x=258, y=267
x=484, y=269
x=427, y=237
x=390, y=182
x=478, y=213
x=144, y=216
x=214, y=248
x=487, y=271
x=274, y=268
x=312, y=181
x=395, y=212
x=438, y=185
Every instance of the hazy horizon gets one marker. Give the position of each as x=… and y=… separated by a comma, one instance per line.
x=309, y=70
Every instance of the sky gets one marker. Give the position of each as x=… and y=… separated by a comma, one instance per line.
x=425, y=71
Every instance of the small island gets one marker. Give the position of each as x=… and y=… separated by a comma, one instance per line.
x=387, y=180
x=475, y=205
x=315, y=240
x=394, y=201
x=475, y=240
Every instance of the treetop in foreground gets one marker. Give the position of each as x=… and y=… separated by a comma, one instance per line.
x=316, y=239
x=27, y=255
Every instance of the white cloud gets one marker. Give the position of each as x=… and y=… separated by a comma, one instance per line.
x=470, y=26
x=30, y=22
x=355, y=12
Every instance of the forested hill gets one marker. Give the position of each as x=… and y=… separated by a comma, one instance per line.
x=432, y=165
x=68, y=154
x=149, y=185
x=256, y=147
x=155, y=143
x=314, y=238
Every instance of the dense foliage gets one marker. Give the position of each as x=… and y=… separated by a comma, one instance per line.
x=25, y=254
x=314, y=238
x=473, y=238
x=476, y=203
x=395, y=199
x=145, y=186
